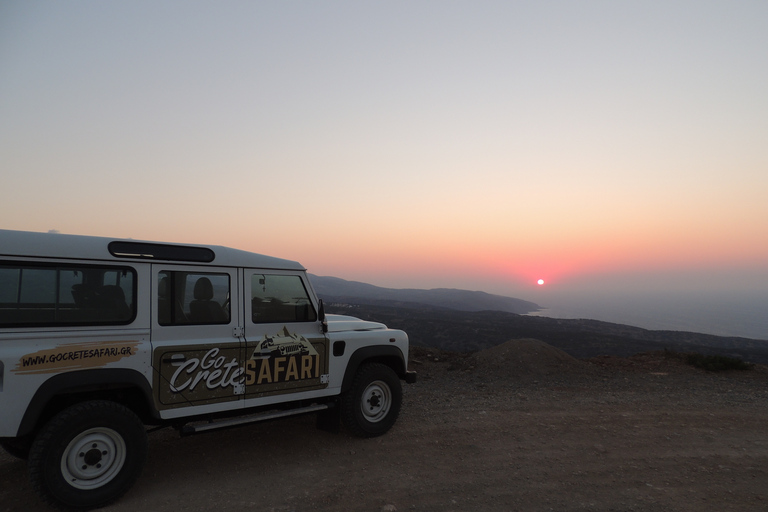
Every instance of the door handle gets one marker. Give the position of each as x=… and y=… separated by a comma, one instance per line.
x=175, y=358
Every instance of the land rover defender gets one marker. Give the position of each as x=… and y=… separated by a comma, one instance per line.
x=101, y=339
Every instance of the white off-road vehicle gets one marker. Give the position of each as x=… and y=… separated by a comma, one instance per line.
x=100, y=338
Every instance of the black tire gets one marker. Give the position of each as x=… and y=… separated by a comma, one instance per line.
x=372, y=404
x=88, y=455
x=17, y=446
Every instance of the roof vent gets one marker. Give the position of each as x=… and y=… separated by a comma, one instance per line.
x=149, y=251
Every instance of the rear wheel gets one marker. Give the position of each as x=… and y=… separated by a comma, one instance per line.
x=372, y=404
x=88, y=455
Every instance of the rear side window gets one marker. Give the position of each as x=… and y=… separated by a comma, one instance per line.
x=61, y=295
x=279, y=298
x=193, y=298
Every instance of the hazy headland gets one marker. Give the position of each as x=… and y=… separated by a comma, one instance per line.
x=459, y=320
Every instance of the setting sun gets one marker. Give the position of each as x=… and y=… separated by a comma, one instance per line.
x=540, y=282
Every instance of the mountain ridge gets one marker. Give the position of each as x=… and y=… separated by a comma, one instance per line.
x=463, y=321
x=335, y=289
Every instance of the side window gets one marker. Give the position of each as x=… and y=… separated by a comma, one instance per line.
x=50, y=295
x=193, y=298
x=279, y=298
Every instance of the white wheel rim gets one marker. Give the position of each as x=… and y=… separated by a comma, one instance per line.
x=376, y=401
x=93, y=458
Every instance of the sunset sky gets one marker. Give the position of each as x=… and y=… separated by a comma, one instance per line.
x=473, y=144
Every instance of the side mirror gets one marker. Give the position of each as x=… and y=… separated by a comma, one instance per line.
x=321, y=314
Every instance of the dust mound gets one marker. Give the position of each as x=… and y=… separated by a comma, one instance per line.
x=526, y=358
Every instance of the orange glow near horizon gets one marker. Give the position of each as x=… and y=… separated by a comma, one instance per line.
x=479, y=259
x=494, y=183
x=447, y=263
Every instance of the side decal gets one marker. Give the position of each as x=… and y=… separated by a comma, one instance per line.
x=75, y=356
x=283, y=362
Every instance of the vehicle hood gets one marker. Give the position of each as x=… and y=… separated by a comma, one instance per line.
x=340, y=323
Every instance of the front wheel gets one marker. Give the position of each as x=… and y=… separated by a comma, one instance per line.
x=88, y=455
x=372, y=404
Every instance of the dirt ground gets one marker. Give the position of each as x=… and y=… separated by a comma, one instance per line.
x=520, y=427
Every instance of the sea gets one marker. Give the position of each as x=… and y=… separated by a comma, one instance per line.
x=728, y=314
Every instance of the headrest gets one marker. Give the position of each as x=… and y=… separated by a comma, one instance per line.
x=162, y=287
x=203, y=289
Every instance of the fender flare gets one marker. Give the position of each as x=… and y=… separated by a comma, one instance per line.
x=83, y=381
x=390, y=355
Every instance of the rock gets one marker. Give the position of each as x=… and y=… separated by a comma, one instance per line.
x=528, y=359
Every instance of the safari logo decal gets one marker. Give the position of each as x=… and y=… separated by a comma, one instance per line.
x=284, y=357
x=274, y=363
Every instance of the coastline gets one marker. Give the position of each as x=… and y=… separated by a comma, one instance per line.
x=745, y=316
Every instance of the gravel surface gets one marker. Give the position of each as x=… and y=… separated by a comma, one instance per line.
x=520, y=427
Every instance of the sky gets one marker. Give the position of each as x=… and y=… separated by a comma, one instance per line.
x=597, y=145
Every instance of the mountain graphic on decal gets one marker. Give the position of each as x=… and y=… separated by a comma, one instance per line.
x=283, y=344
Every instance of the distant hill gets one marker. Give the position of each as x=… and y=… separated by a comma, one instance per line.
x=471, y=331
x=335, y=290
x=466, y=321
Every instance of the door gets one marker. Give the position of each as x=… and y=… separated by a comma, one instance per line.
x=196, y=338
x=285, y=348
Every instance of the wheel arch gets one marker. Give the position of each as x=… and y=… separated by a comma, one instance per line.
x=390, y=356
x=127, y=387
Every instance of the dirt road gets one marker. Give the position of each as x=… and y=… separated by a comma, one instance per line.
x=521, y=428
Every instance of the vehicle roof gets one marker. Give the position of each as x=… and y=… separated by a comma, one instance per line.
x=20, y=244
